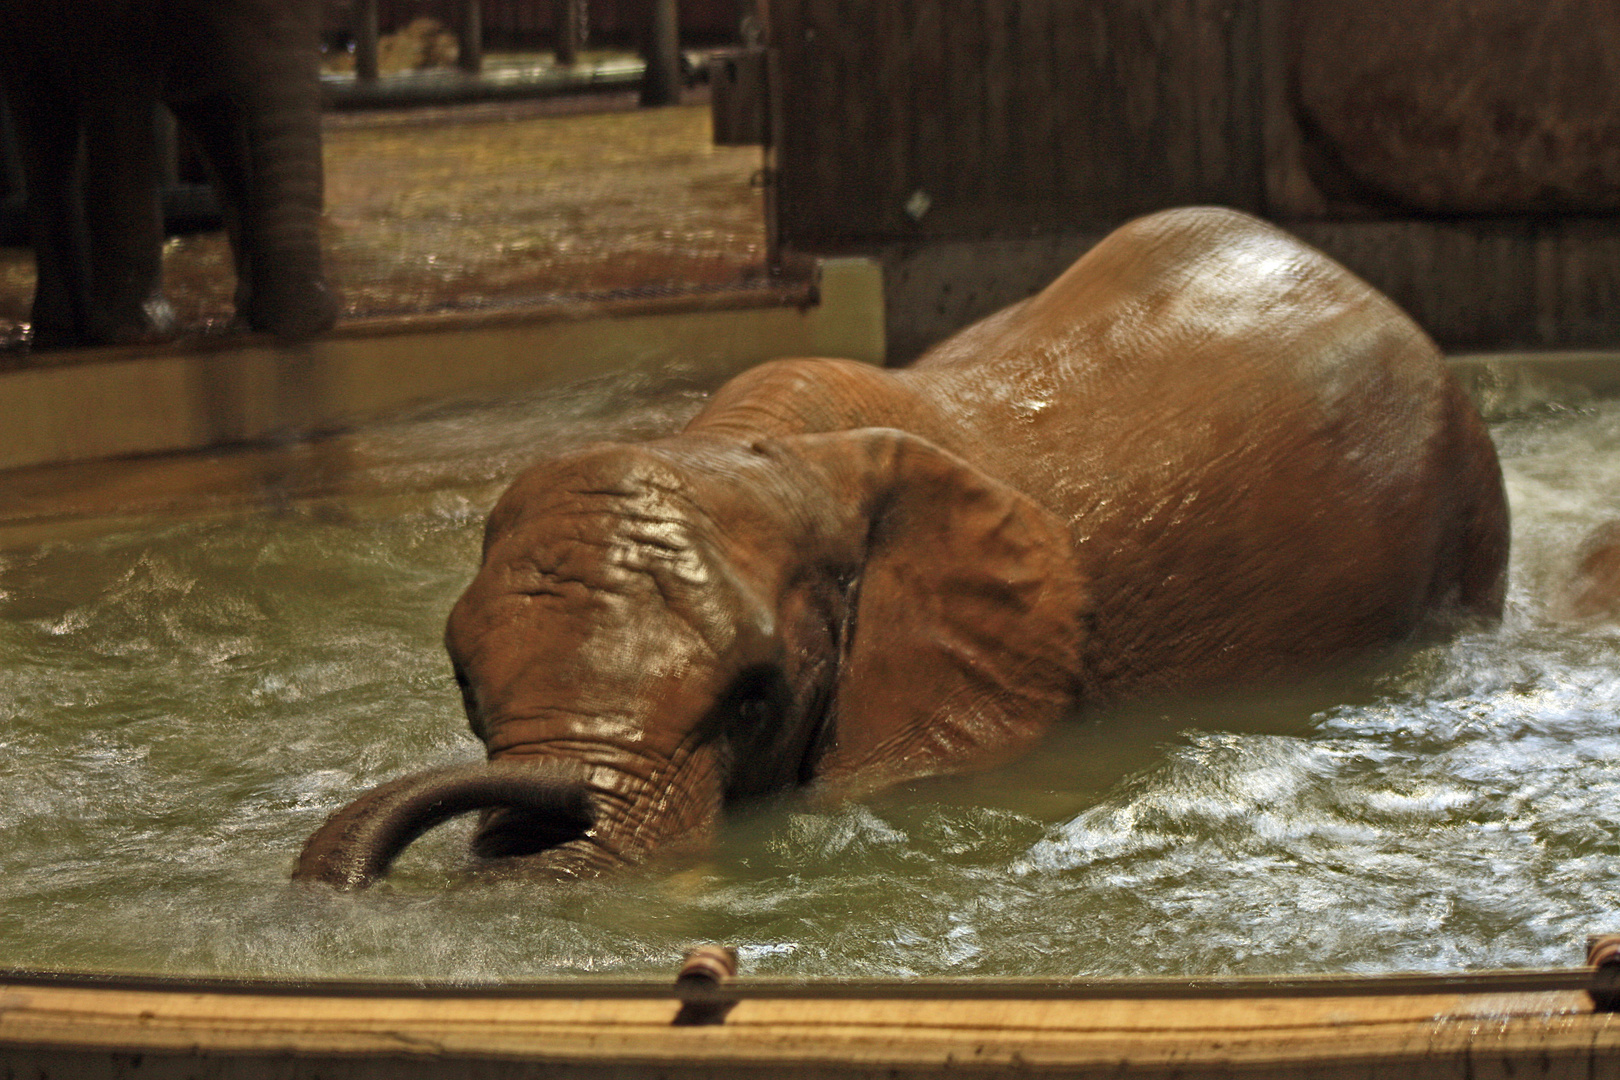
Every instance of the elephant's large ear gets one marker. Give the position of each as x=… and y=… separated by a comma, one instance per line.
x=970, y=615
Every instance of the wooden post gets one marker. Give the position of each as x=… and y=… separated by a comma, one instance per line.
x=471, y=56
x=365, y=40
x=570, y=32
x=661, y=46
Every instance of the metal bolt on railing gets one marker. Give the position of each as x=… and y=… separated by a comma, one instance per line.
x=1603, y=957
x=706, y=970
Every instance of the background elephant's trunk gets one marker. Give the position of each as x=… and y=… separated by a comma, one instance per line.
x=356, y=844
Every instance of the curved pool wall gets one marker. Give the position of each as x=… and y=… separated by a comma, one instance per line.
x=223, y=390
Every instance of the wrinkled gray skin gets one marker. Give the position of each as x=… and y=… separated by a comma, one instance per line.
x=1204, y=455
x=83, y=78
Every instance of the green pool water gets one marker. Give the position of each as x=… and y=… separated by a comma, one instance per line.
x=181, y=703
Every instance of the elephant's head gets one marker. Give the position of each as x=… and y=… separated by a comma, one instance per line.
x=659, y=630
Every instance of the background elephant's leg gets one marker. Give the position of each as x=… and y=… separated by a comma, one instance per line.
x=272, y=209
x=123, y=215
x=263, y=136
x=46, y=117
x=215, y=123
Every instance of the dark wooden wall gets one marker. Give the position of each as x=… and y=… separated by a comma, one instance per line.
x=980, y=145
x=533, y=23
x=1009, y=117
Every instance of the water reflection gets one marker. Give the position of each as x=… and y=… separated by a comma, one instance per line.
x=182, y=703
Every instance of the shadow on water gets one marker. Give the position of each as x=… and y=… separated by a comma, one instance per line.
x=182, y=702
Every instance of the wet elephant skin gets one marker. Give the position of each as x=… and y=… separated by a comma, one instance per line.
x=1205, y=454
x=1592, y=591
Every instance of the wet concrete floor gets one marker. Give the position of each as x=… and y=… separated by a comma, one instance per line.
x=494, y=206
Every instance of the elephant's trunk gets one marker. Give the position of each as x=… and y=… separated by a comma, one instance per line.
x=356, y=844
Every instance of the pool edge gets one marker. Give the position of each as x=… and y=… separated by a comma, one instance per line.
x=47, y=1032
x=137, y=401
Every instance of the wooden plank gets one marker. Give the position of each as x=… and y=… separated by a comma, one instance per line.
x=789, y=156
x=1228, y=129
x=1015, y=117
x=1209, y=107
x=894, y=114
x=1288, y=192
x=1073, y=150
x=1578, y=282
x=936, y=141
x=835, y=90
x=998, y=134
x=1159, y=87
x=1433, y=1035
x=1115, y=101
x=1246, y=125
x=835, y=147
x=1173, y=117
x=1039, y=103
x=965, y=76
x=849, y=169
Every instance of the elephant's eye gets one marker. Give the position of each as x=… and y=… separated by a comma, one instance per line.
x=469, y=701
x=752, y=708
x=771, y=741
x=754, y=713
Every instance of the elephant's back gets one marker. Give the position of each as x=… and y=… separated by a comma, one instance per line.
x=1202, y=285
x=1264, y=462
x=1186, y=336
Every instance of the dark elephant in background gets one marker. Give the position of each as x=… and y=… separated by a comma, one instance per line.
x=83, y=78
x=1205, y=455
x=1461, y=106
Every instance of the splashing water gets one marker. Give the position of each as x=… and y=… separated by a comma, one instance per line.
x=182, y=703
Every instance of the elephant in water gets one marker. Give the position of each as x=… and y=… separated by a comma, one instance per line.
x=1592, y=592
x=1205, y=455
x=84, y=78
